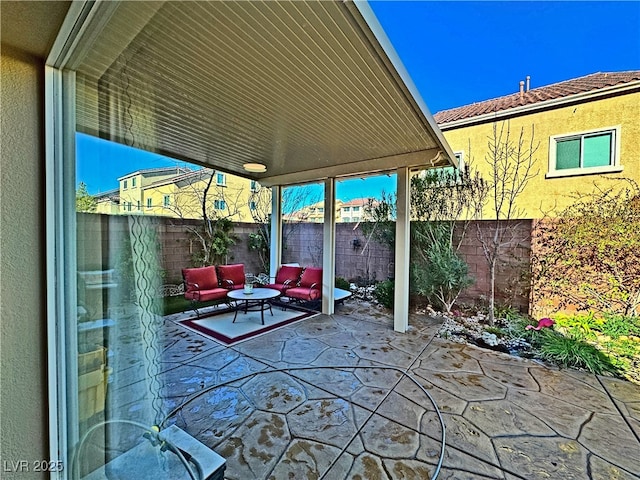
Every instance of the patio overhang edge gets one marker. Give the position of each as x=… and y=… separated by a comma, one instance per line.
x=429, y=158
x=387, y=52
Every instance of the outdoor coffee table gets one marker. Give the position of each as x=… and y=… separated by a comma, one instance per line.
x=258, y=301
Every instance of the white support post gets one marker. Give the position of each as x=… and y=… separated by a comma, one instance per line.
x=329, y=247
x=401, y=295
x=275, y=255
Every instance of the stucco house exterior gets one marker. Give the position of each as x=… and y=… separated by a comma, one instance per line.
x=586, y=130
x=179, y=192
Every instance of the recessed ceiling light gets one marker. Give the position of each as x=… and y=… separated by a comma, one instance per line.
x=255, y=167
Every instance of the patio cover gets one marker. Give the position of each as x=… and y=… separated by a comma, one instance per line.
x=311, y=90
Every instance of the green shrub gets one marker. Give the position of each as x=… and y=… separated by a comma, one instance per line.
x=588, y=324
x=618, y=325
x=384, y=292
x=506, y=312
x=442, y=277
x=497, y=331
x=588, y=256
x=573, y=352
x=342, y=283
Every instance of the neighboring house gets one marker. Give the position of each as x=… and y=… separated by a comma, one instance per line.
x=313, y=213
x=134, y=186
x=108, y=202
x=178, y=192
x=587, y=129
x=350, y=211
x=353, y=210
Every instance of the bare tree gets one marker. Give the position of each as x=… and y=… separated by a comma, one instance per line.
x=197, y=195
x=294, y=200
x=511, y=165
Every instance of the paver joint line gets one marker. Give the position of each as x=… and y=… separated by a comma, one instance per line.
x=615, y=403
x=333, y=367
x=543, y=394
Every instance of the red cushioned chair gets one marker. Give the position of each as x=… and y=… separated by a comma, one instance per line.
x=201, y=285
x=287, y=277
x=231, y=276
x=309, y=287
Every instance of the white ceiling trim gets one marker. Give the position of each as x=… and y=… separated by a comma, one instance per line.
x=424, y=159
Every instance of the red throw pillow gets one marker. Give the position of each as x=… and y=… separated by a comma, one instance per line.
x=205, y=277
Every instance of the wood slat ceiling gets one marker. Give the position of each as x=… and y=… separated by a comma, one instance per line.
x=297, y=86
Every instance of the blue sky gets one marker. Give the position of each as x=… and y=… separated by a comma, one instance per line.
x=456, y=53
x=463, y=52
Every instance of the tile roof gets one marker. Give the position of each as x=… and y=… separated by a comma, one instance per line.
x=595, y=81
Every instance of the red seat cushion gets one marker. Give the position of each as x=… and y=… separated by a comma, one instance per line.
x=197, y=279
x=207, y=295
x=303, y=293
x=281, y=287
x=231, y=275
x=290, y=273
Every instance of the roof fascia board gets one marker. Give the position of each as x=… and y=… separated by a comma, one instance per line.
x=83, y=23
x=545, y=105
x=399, y=72
x=430, y=158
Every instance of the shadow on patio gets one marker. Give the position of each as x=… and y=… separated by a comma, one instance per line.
x=277, y=406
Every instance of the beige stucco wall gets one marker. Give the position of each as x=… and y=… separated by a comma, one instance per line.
x=23, y=343
x=542, y=194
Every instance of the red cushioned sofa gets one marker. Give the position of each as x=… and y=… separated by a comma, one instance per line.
x=201, y=285
x=287, y=276
x=309, y=286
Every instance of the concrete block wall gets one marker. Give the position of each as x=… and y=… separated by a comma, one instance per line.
x=512, y=273
x=357, y=258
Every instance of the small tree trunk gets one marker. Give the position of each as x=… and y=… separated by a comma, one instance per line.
x=492, y=294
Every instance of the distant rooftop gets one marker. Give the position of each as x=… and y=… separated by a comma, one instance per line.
x=148, y=172
x=108, y=195
x=356, y=202
x=589, y=83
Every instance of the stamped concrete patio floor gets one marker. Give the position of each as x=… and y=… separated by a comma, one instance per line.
x=260, y=406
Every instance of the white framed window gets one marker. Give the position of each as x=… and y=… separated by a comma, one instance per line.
x=138, y=205
x=133, y=182
x=124, y=184
x=221, y=179
x=356, y=209
x=253, y=186
x=585, y=153
x=167, y=200
x=346, y=209
x=252, y=205
x=149, y=202
x=219, y=204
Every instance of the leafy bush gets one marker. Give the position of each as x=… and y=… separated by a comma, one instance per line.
x=573, y=352
x=588, y=257
x=384, y=292
x=506, y=312
x=442, y=278
x=618, y=325
x=342, y=283
x=589, y=324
